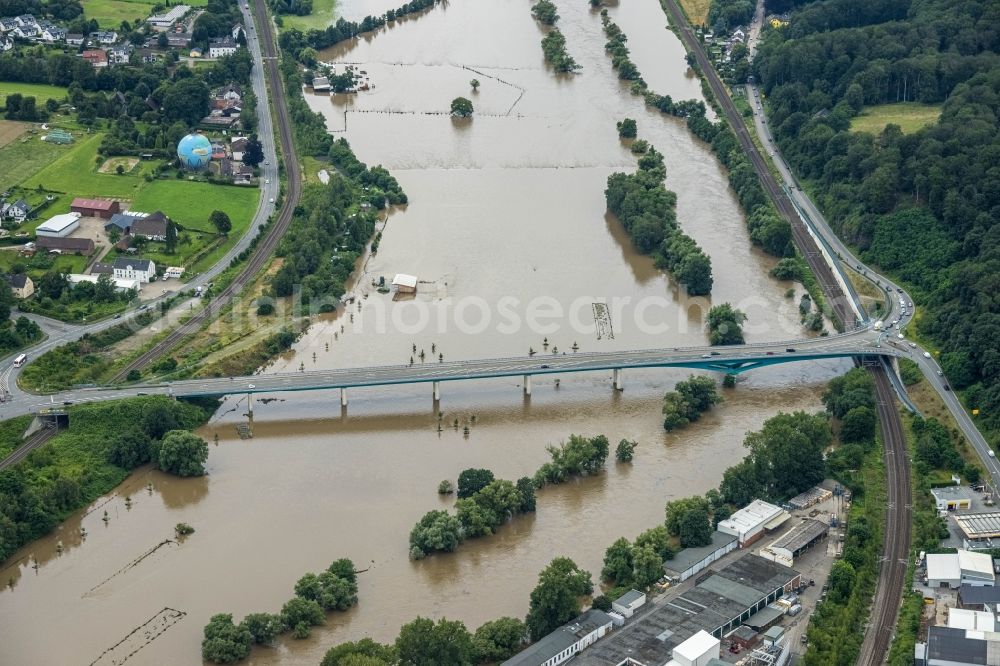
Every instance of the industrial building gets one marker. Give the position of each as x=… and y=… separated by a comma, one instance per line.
x=810, y=497
x=59, y=226
x=961, y=618
x=628, y=603
x=979, y=597
x=753, y=521
x=984, y=525
x=962, y=568
x=721, y=601
x=565, y=641
x=946, y=646
x=690, y=561
x=164, y=22
x=699, y=650
x=792, y=543
x=952, y=498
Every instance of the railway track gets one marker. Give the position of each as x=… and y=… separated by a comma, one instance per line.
x=892, y=570
x=273, y=234
x=29, y=445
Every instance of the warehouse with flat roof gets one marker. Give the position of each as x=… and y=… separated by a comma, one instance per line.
x=689, y=561
x=719, y=603
x=59, y=226
x=753, y=521
x=984, y=525
x=795, y=541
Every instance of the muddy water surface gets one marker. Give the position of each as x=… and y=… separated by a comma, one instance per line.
x=508, y=235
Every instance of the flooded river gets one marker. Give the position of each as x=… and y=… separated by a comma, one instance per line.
x=508, y=236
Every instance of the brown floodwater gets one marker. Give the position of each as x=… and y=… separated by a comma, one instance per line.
x=508, y=235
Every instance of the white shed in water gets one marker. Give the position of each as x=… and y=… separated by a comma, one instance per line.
x=405, y=284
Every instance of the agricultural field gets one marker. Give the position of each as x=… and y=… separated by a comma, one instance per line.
x=111, y=13
x=910, y=116
x=322, y=15
x=76, y=172
x=39, y=91
x=10, y=130
x=696, y=11
x=25, y=156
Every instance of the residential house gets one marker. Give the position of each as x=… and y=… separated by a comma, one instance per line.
x=217, y=119
x=102, y=269
x=7, y=24
x=222, y=47
x=149, y=55
x=127, y=268
x=232, y=93
x=6, y=43
x=65, y=245
x=321, y=84
x=25, y=31
x=17, y=211
x=164, y=22
x=21, y=285
x=50, y=33
x=178, y=40
x=105, y=37
x=26, y=21
x=95, y=207
x=235, y=32
x=153, y=227
x=96, y=57
x=122, y=222
x=195, y=52
x=120, y=54
x=238, y=146
x=218, y=150
x=242, y=174
x=75, y=39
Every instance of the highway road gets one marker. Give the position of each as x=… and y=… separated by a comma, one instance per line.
x=928, y=366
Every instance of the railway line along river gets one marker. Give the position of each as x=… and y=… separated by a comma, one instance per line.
x=507, y=207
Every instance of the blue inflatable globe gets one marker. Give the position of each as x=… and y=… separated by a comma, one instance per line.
x=194, y=151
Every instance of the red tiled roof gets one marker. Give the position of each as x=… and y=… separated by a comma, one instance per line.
x=95, y=204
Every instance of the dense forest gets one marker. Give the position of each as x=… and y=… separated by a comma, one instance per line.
x=922, y=205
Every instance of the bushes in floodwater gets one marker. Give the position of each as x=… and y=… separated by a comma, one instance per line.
x=647, y=210
x=336, y=588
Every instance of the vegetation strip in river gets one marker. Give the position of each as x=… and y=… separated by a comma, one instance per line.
x=303, y=46
x=647, y=210
x=336, y=588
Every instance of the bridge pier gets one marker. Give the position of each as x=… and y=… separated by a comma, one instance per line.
x=250, y=405
x=343, y=397
x=527, y=385
x=617, y=378
x=437, y=391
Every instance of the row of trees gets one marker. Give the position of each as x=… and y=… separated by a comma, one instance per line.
x=578, y=456
x=647, y=210
x=554, y=49
x=767, y=228
x=688, y=400
x=335, y=588
x=294, y=41
x=424, y=642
